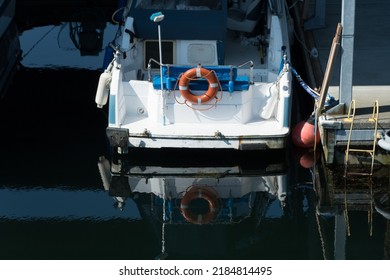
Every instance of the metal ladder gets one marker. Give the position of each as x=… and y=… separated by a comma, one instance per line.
x=350, y=119
x=370, y=211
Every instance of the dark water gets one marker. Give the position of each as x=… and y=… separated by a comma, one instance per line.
x=54, y=204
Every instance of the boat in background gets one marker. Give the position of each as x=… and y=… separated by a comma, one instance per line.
x=10, y=51
x=198, y=74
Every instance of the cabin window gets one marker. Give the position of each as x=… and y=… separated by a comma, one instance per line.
x=204, y=54
x=152, y=51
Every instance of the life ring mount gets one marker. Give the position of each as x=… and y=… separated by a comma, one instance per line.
x=196, y=74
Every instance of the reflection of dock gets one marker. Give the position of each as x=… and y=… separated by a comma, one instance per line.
x=353, y=212
x=360, y=73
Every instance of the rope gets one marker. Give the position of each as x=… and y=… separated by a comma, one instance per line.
x=114, y=14
x=58, y=38
x=346, y=218
x=329, y=99
x=304, y=85
x=43, y=37
x=321, y=237
x=315, y=128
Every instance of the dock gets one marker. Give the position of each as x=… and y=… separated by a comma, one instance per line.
x=360, y=73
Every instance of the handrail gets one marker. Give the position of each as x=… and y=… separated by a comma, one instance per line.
x=251, y=69
x=150, y=67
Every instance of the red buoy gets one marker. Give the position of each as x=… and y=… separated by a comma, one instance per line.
x=303, y=134
x=308, y=159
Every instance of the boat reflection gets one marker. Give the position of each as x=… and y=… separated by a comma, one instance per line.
x=199, y=210
x=69, y=45
x=169, y=206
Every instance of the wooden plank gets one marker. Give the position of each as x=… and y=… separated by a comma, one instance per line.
x=329, y=68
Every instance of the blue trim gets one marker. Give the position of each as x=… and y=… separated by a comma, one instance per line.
x=227, y=77
x=223, y=72
x=111, y=110
x=286, y=112
x=108, y=57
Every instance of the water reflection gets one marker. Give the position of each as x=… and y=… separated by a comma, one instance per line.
x=253, y=206
x=61, y=203
x=201, y=210
x=68, y=45
x=353, y=213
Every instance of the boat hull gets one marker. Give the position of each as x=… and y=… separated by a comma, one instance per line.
x=203, y=97
x=123, y=139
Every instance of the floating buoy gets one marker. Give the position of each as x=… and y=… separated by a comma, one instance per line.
x=103, y=89
x=303, y=134
x=305, y=157
x=308, y=159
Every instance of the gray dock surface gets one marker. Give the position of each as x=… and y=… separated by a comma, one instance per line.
x=371, y=74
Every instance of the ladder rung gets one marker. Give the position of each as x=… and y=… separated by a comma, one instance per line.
x=358, y=173
x=350, y=119
x=361, y=150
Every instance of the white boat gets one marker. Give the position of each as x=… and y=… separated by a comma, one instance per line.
x=199, y=74
x=9, y=43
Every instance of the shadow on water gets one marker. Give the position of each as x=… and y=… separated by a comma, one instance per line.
x=52, y=202
x=61, y=200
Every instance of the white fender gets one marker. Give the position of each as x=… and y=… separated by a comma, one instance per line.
x=103, y=89
x=384, y=143
x=104, y=170
x=272, y=98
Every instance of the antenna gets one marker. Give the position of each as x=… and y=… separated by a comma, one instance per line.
x=158, y=17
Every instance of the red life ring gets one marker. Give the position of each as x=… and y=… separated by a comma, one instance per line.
x=196, y=73
x=199, y=193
